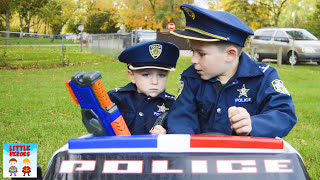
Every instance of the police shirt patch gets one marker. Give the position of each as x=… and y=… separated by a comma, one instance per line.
x=279, y=87
x=162, y=109
x=181, y=85
x=155, y=50
x=243, y=92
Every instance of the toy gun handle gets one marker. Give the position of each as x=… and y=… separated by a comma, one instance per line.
x=119, y=126
x=99, y=114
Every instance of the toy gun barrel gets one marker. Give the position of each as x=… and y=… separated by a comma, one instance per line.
x=97, y=109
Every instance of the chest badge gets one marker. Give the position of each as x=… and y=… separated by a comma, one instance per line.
x=162, y=109
x=243, y=92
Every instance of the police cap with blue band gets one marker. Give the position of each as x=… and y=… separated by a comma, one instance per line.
x=210, y=25
x=151, y=54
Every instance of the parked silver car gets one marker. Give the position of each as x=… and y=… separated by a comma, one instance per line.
x=266, y=43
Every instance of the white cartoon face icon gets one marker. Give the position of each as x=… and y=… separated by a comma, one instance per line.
x=13, y=163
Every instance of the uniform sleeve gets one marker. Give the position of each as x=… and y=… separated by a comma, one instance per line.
x=276, y=113
x=183, y=117
x=113, y=97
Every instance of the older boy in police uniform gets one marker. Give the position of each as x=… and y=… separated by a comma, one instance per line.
x=144, y=99
x=224, y=91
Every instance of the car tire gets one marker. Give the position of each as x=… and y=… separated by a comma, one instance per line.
x=256, y=56
x=292, y=59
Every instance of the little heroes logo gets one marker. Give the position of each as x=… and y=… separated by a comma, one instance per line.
x=19, y=160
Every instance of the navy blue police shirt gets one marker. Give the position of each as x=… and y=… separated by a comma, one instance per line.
x=201, y=106
x=138, y=110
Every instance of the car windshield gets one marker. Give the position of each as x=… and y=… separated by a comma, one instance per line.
x=301, y=35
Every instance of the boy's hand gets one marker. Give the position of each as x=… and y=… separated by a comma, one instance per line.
x=158, y=130
x=240, y=120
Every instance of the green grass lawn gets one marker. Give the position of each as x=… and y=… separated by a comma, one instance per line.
x=30, y=57
x=36, y=41
x=36, y=106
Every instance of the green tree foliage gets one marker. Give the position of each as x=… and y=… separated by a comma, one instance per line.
x=56, y=16
x=313, y=22
x=275, y=8
x=168, y=12
x=5, y=14
x=102, y=21
x=60, y=11
x=150, y=14
x=72, y=26
x=302, y=14
x=27, y=9
x=256, y=13
x=251, y=13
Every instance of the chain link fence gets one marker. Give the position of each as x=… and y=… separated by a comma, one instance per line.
x=109, y=44
x=105, y=44
x=35, y=41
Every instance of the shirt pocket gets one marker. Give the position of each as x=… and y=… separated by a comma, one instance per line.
x=129, y=117
x=204, y=112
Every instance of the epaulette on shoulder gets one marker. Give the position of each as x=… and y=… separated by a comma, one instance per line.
x=263, y=67
x=168, y=96
x=116, y=89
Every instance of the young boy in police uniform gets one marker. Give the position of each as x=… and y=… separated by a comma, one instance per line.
x=144, y=99
x=224, y=91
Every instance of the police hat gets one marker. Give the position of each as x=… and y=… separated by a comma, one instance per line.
x=209, y=25
x=151, y=54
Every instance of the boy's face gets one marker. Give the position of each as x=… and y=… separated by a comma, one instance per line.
x=150, y=82
x=208, y=60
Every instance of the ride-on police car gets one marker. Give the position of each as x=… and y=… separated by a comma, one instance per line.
x=169, y=156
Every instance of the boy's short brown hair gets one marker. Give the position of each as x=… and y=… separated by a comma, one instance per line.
x=13, y=159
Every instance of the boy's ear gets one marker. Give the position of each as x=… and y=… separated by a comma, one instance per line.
x=130, y=73
x=232, y=53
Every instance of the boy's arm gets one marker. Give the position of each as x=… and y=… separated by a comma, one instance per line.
x=276, y=114
x=183, y=116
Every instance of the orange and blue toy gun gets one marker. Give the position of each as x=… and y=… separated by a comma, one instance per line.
x=100, y=116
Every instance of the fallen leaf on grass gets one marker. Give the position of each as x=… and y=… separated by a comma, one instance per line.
x=303, y=124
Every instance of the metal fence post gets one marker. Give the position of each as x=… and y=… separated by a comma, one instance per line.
x=118, y=44
x=62, y=51
x=7, y=38
x=99, y=44
x=131, y=38
x=292, y=53
x=252, y=55
x=81, y=41
x=39, y=42
x=112, y=46
x=279, y=57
